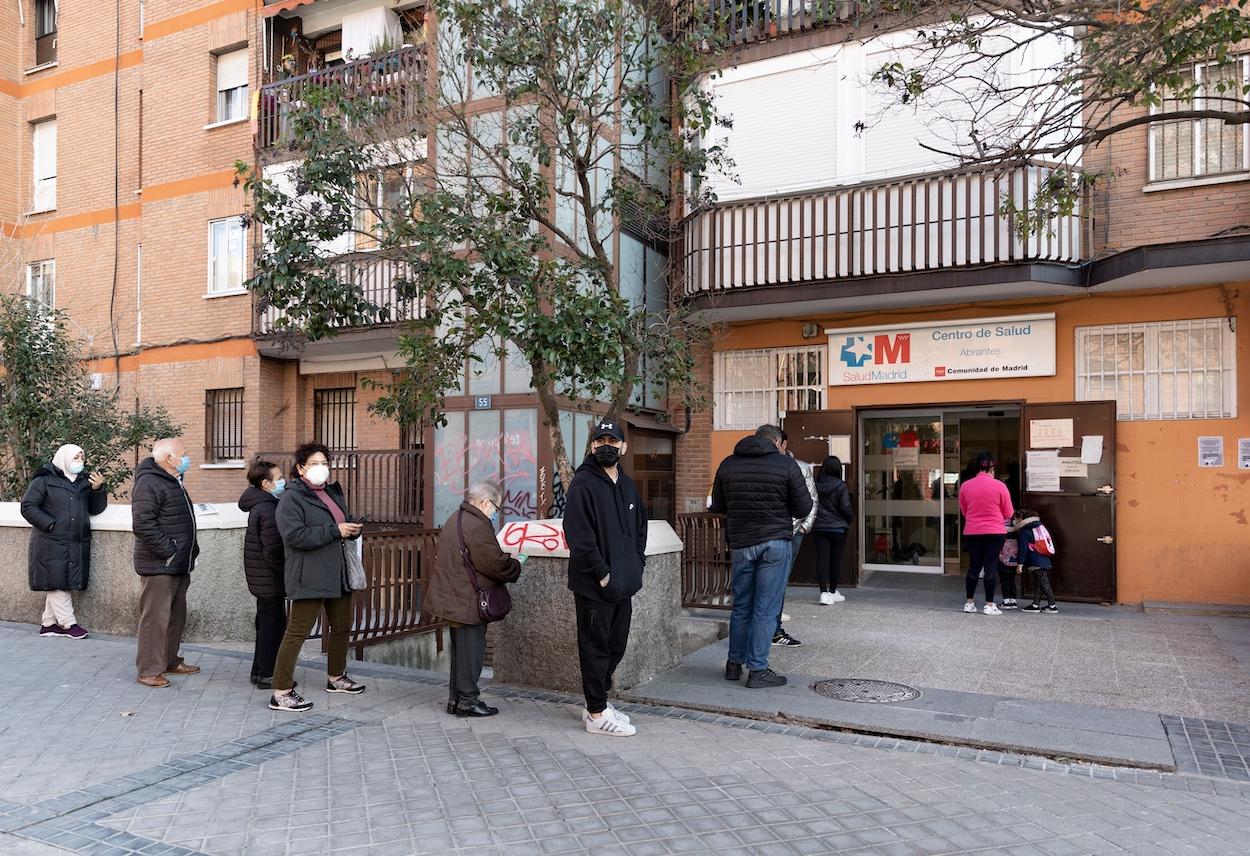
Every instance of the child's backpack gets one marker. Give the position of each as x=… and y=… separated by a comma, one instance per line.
x=1009, y=555
x=1043, y=544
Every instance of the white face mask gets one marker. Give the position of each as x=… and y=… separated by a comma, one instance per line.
x=318, y=474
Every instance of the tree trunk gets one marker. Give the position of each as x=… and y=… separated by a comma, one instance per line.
x=559, y=454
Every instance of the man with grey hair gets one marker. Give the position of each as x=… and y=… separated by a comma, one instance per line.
x=761, y=492
x=163, y=521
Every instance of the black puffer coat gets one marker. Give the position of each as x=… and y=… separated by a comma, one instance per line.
x=833, y=510
x=163, y=522
x=761, y=492
x=60, y=510
x=264, y=560
x=314, y=547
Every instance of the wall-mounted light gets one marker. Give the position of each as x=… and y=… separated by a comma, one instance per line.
x=810, y=330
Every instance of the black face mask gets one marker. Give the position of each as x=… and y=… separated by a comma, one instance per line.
x=607, y=456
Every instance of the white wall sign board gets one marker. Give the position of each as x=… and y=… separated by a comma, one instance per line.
x=1050, y=433
x=971, y=349
x=1072, y=468
x=1210, y=452
x=1243, y=453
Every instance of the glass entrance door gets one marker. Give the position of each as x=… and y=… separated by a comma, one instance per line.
x=901, y=491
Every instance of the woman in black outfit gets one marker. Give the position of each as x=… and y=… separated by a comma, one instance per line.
x=834, y=516
x=264, y=564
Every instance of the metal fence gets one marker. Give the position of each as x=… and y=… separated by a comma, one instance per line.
x=385, y=484
x=706, y=578
x=398, y=566
x=739, y=22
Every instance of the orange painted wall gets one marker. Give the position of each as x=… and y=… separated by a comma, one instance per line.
x=1181, y=532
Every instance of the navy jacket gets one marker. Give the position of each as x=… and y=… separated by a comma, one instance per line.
x=761, y=492
x=1030, y=558
x=605, y=526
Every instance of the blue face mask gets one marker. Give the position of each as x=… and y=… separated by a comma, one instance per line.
x=278, y=487
x=494, y=518
x=76, y=467
x=184, y=464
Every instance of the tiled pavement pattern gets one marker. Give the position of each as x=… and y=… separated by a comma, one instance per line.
x=402, y=777
x=1210, y=747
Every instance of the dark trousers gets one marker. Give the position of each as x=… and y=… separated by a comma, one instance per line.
x=162, y=617
x=303, y=617
x=270, y=625
x=796, y=543
x=1042, y=589
x=983, y=553
x=1007, y=579
x=468, y=651
x=602, y=634
x=829, y=547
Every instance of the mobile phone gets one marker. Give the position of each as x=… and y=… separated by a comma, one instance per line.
x=361, y=519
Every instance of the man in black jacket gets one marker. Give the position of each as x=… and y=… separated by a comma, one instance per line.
x=761, y=492
x=606, y=529
x=163, y=520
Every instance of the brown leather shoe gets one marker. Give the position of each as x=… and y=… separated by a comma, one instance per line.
x=183, y=669
x=154, y=681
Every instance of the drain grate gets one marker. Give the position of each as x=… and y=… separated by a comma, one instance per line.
x=866, y=691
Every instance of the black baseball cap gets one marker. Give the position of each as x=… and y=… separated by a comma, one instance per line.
x=608, y=429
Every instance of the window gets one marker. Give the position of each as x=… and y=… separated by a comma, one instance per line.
x=1191, y=148
x=225, y=255
x=223, y=425
x=334, y=418
x=232, y=86
x=41, y=283
x=43, y=165
x=751, y=388
x=1162, y=370
x=45, y=31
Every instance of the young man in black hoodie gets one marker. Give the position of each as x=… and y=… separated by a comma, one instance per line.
x=606, y=529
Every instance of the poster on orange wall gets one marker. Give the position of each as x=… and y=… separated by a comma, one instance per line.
x=968, y=349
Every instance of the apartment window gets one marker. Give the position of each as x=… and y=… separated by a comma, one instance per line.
x=223, y=425
x=43, y=165
x=1192, y=148
x=232, y=86
x=751, y=388
x=225, y=255
x=41, y=283
x=45, y=31
x=334, y=418
x=1161, y=370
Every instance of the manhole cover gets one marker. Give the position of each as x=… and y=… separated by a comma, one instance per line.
x=869, y=692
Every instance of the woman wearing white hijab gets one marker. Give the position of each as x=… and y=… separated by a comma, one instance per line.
x=59, y=505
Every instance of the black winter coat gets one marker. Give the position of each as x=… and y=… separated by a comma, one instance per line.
x=761, y=492
x=163, y=522
x=833, y=506
x=605, y=526
x=314, y=547
x=264, y=560
x=60, y=510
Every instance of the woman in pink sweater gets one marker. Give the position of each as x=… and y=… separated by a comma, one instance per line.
x=986, y=506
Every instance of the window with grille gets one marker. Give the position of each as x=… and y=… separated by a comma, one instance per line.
x=232, y=86
x=334, y=418
x=1160, y=370
x=1191, y=148
x=751, y=388
x=41, y=283
x=223, y=425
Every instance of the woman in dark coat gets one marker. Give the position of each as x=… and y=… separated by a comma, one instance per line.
x=451, y=596
x=316, y=528
x=834, y=516
x=59, y=505
x=264, y=564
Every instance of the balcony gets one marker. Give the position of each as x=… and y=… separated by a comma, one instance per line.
x=394, y=82
x=743, y=22
x=375, y=276
x=829, y=243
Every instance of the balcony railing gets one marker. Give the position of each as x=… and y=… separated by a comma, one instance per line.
x=385, y=484
x=944, y=221
x=739, y=22
x=394, y=81
x=375, y=277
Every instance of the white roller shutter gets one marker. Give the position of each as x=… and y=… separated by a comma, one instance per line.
x=232, y=70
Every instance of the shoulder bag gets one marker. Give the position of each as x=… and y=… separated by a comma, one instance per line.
x=492, y=603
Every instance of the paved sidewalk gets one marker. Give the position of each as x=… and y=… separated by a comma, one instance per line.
x=96, y=764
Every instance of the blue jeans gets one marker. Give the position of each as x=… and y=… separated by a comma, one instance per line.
x=794, y=555
x=759, y=580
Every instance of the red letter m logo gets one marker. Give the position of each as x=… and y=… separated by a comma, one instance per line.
x=892, y=350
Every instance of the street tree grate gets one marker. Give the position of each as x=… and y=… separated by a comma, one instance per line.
x=866, y=691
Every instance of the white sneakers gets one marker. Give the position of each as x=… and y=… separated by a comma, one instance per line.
x=992, y=609
x=970, y=607
x=837, y=596
x=826, y=598
x=610, y=724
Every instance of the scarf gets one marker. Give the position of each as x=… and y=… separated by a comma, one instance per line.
x=63, y=456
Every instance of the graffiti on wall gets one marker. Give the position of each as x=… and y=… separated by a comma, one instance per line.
x=556, y=509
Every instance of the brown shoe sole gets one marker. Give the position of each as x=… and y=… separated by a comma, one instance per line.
x=183, y=669
x=156, y=682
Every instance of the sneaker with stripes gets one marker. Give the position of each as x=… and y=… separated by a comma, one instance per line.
x=608, y=725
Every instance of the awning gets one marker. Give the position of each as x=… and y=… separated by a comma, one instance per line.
x=274, y=8
x=649, y=423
